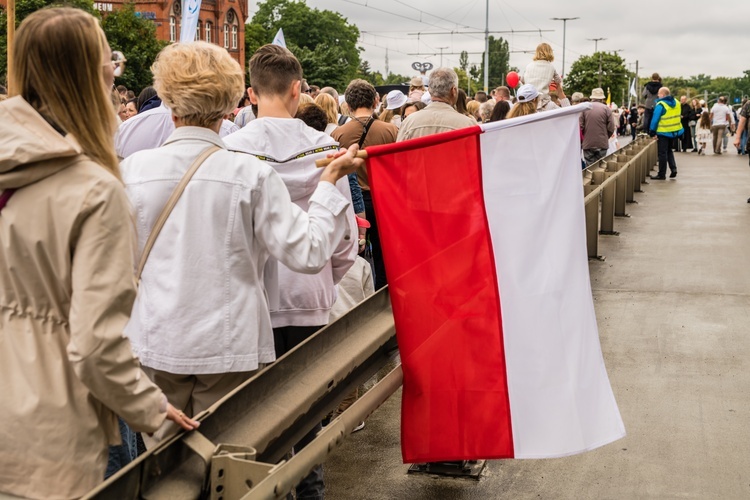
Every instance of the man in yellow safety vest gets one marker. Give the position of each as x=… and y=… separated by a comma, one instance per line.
x=666, y=125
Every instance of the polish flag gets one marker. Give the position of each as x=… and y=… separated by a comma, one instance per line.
x=483, y=237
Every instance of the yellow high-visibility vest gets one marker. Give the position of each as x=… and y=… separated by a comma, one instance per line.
x=670, y=121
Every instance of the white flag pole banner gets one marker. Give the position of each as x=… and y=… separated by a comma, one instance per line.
x=190, y=11
x=531, y=179
x=279, y=39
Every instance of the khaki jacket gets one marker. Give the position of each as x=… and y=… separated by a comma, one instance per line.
x=66, y=291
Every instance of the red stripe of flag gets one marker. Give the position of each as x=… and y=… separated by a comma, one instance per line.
x=438, y=253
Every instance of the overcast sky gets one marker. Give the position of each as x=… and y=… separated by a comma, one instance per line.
x=712, y=39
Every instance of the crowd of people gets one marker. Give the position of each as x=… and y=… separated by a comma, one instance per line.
x=243, y=247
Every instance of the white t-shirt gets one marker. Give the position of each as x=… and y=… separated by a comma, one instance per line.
x=720, y=112
x=150, y=129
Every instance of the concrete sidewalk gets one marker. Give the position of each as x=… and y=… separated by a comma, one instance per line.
x=673, y=305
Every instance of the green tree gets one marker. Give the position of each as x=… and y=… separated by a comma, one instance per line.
x=466, y=82
x=23, y=9
x=602, y=69
x=463, y=61
x=135, y=37
x=396, y=79
x=498, y=64
x=323, y=41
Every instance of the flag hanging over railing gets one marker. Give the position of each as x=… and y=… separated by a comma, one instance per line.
x=483, y=236
x=190, y=12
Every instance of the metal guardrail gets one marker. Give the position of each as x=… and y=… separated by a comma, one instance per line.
x=240, y=447
x=610, y=184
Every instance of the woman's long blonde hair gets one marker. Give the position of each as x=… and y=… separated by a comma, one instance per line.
x=330, y=106
x=59, y=55
x=522, y=109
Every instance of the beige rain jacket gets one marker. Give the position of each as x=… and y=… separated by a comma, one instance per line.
x=66, y=291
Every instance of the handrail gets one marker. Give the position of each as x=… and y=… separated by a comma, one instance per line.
x=614, y=180
x=261, y=420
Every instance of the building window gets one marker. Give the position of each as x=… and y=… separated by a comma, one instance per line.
x=208, y=32
x=226, y=36
x=234, y=37
x=172, y=29
x=198, y=32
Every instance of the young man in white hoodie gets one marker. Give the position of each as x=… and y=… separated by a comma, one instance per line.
x=302, y=303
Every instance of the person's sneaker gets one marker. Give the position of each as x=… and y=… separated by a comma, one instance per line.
x=673, y=174
x=359, y=427
x=658, y=177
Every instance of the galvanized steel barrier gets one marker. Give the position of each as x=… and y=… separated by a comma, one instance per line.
x=610, y=184
x=240, y=450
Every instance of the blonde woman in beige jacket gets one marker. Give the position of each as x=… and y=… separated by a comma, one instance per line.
x=66, y=267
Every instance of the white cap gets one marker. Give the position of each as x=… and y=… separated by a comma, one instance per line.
x=395, y=99
x=426, y=98
x=527, y=93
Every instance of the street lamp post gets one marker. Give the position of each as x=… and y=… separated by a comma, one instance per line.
x=565, y=25
x=596, y=43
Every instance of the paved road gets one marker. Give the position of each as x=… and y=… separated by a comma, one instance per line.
x=673, y=305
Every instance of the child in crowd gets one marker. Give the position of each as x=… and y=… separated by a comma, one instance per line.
x=703, y=132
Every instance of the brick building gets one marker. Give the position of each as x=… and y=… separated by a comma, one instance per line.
x=221, y=21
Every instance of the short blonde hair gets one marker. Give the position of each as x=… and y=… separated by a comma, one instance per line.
x=330, y=106
x=305, y=99
x=544, y=53
x=199, y=82
x=472, y=107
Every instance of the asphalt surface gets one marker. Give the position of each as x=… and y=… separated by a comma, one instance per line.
x=672, y=302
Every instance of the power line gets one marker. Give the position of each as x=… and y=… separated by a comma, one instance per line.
x=433, y=15
x=394, y=14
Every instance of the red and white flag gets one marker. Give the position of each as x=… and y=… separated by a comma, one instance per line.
x=483, y=236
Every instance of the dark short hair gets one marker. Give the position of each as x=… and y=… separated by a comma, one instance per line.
x=273, y=69
x=480, y=96
x=122, y=88
x=360, y=94
x=314, y=116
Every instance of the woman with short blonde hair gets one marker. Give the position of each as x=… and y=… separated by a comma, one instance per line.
x=201, y=324
x=66, y=267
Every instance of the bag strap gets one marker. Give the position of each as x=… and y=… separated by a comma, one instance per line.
x=365, y=129
x=171, y=202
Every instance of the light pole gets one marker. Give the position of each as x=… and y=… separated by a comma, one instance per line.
x=565, y=25
x=441, y=54
x=596, y=43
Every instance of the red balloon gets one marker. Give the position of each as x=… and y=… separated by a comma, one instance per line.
x=512, y=79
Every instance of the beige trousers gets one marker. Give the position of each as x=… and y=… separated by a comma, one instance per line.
x=192, y=394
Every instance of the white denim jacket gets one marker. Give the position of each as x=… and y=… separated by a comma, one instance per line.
x=202, y=306
x=291, y=148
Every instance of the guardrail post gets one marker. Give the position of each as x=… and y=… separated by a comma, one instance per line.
x=630, y=198
x=620, y=189
x=608, y=207
x=592, y=224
